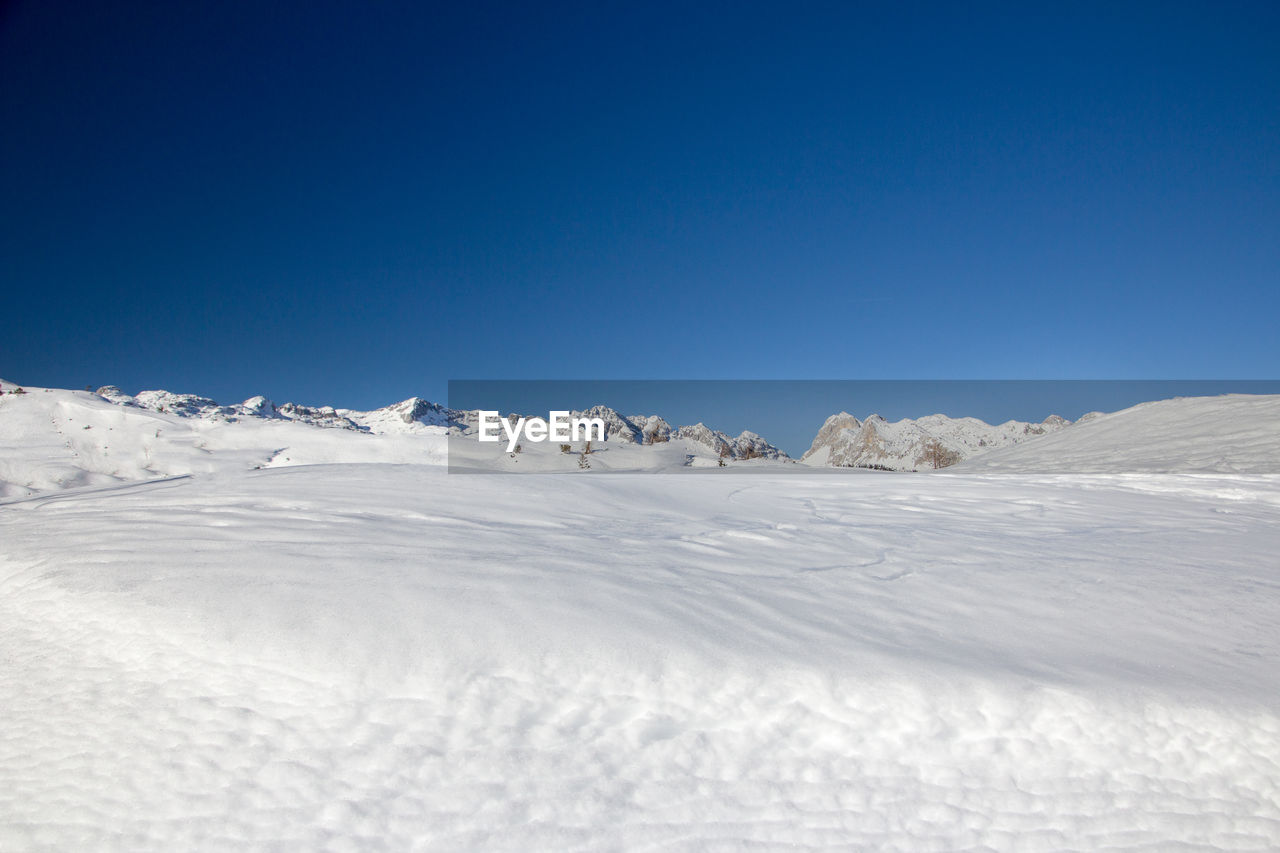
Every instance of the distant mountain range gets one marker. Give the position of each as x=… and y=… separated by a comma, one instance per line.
x=56, y=439
x=414, y=413
x=934, y=441
x=844, y=441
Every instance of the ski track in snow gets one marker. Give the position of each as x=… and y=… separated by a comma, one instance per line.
x=358, y=657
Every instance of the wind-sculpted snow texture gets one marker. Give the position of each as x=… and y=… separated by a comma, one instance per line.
x=360, y=656
x=383, y=657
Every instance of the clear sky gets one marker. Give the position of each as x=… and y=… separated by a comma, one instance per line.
x=354, y=203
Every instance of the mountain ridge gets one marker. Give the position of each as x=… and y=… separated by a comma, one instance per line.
x=408, y=416
x=913, y=444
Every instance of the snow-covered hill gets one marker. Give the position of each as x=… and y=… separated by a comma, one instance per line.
x=1232, y=433
x=934, y=441
x=55, y=439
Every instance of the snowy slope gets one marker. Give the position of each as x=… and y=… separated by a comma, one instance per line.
x=365, y=656
x=1234, y=433
x=934, y=441
x=392, y=657
x=56, y=439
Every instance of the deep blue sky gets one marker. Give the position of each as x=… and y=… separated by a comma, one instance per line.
x=354, y=203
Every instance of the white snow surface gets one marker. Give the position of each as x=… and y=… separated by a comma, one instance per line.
x=388, y=656
x=1228, y=434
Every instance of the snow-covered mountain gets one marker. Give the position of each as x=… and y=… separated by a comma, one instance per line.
x=415, y=413
x=933, y=441
x=747, y=445
x=637, y=429
x=406, y=416
x=651, y=429
x=53, y=439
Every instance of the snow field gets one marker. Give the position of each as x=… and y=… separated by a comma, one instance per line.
x=392, y=657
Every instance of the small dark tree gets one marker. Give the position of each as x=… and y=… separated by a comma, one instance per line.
x=937, y=456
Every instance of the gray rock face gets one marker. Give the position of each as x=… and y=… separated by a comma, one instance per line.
x=747, y=445
x=934, y=441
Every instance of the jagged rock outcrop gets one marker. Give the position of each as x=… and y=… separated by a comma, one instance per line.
x=933, y=441
x=321, y=416
x=260, y=407
x=407, y=416
x=183, y=405
x=747, y=445
x=616, y=427
x=652, y=429
x=113, y=394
